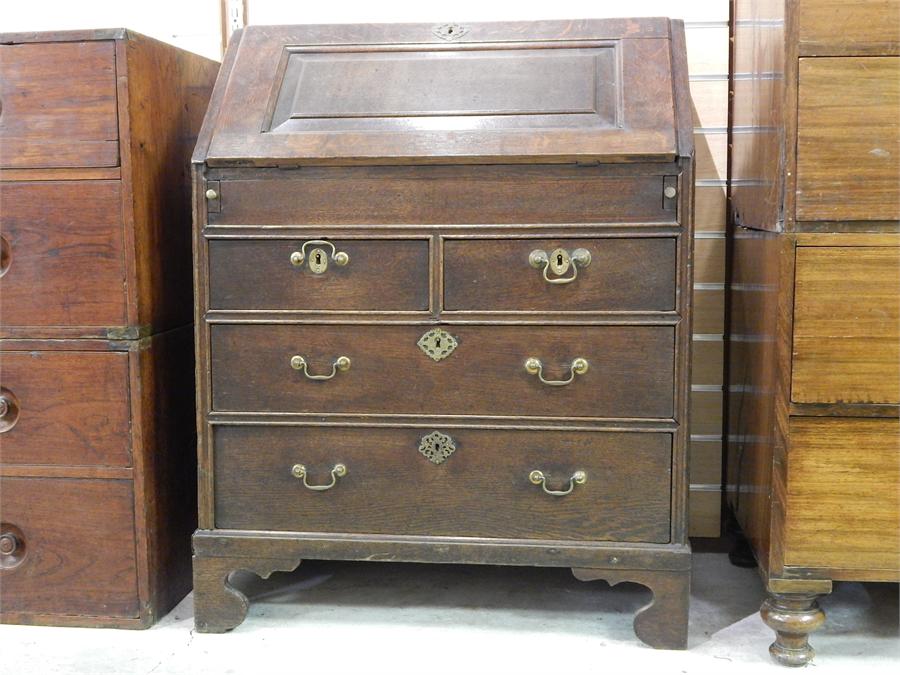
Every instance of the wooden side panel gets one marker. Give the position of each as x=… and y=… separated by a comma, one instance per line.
x=72, y=408
x=64, y=254
x=76, y=547
x=59, y=105
x=481, y=490
x=848, y=142
x=839, y=26
x=166, y=91
x=843, y=506
x=847, y=325
x=752, y=383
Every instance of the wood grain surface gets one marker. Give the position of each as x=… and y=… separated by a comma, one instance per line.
x=847, y=325
x=481, y=490
x=485, y=374
x=59, y=105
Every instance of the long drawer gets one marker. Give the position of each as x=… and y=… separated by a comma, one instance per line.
x=452, y=482
x=63, y=257
x=609, y=371
x=65, y=408
x=68, y=547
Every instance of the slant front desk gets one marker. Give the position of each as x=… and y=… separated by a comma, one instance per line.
x=443, y=304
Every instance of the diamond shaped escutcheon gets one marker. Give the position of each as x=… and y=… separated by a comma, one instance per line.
x=437, y=447
x=437, y=343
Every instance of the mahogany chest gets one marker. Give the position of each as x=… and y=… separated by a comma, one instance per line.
x=814, y=337
x=443, y=304
x=96, y=402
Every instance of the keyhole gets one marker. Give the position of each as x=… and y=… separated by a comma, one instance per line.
x=559, y=259
x=437, y=343
x=449, y=30
x=318, y=258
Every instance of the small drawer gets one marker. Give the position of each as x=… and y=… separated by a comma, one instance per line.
x=317, y=274
x=65, y=408
x=67, y=546
x=462, y=370
x=59, y=106
x=613, y=274
x=445, y=482
x=63, y=254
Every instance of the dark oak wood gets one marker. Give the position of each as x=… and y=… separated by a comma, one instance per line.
x=485, y=374
x=624, y=275
x=96, y=349
x=478, y=491
x=381, y=275
x=812, y=302
x=445, y=195
x=438, y=194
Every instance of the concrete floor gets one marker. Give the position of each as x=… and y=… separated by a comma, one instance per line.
x=330, y=617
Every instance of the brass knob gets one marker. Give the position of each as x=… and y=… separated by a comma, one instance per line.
x=9, y=410
x=212, y=194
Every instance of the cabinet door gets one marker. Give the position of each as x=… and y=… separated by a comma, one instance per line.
x=58, y=105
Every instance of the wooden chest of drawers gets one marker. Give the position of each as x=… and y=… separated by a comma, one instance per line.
x=813, y=460
x=96, y=405
x=443, y=294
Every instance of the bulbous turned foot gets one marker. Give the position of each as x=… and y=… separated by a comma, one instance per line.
x=793, y=616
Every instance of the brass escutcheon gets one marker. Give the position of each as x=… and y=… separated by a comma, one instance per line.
x=558, y=262
x=318, y=257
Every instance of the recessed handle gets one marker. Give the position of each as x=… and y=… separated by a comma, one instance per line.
x=317, y=258
x=341, y=363
x=338, y=471
x=559, y=261
x=578, y=366
x=538, y=478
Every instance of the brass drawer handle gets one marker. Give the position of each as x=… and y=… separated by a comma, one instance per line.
x=559, y=261
x=578, y=366
x=341, y=363
x=9, y=410
x=299, y=471
x=318, y=258
x=538, y=478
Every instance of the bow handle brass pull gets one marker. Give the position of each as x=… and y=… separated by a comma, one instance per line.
x=298, y=471
x=559, y=261
x=578, y=366
x=341, y=363
x=318, y=258
x=538, y=478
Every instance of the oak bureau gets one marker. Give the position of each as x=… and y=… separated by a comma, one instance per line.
x=443, y=304
x=814, y=338
x=96, y=407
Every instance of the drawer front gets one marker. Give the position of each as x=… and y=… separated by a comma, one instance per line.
x=847, y=170
x=442, y=195
x=63, y=254
x=630, y=370
x=620, y=274
x=58, y=105
x=482, y=489
x=846, y=325
x=838, y=25
x=65, y=408
x=74, y=547
x=377, y=275
x=842, y=504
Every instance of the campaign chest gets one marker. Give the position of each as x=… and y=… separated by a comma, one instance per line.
x=814, y=336
x=96, y=353
x=443, y=304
